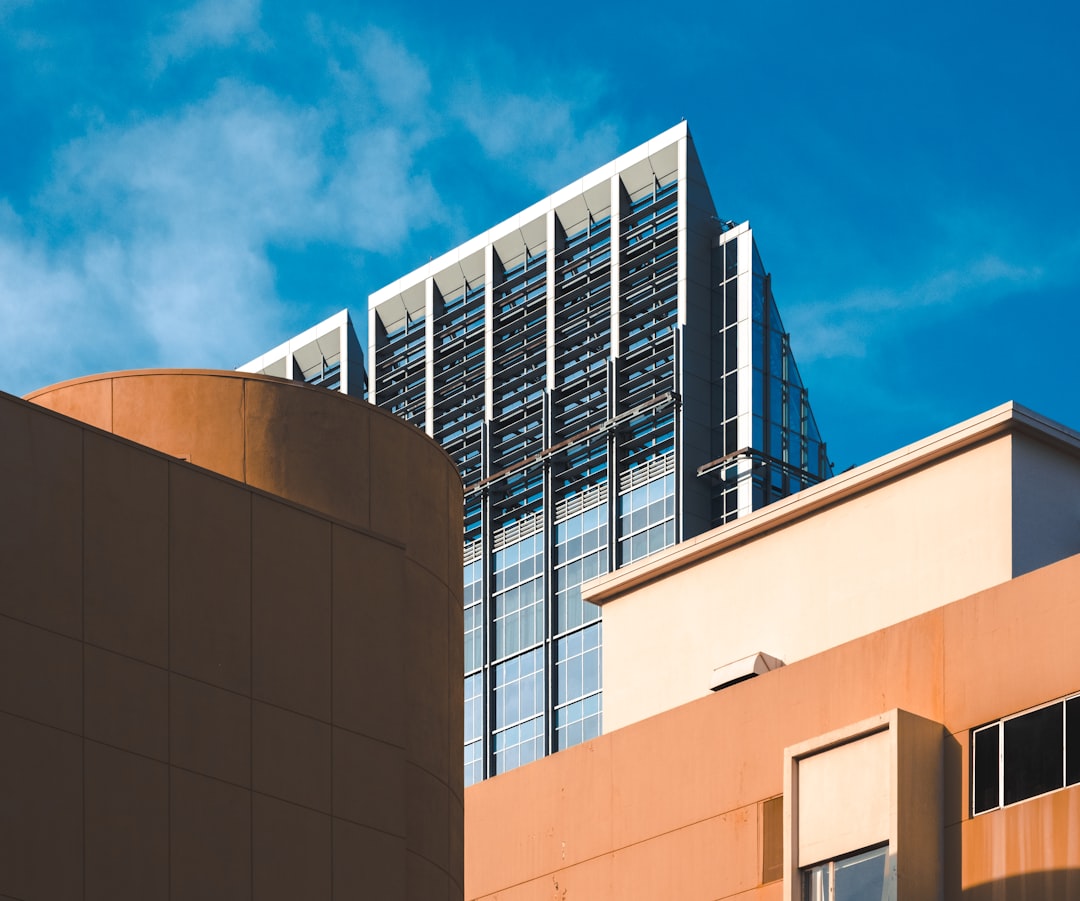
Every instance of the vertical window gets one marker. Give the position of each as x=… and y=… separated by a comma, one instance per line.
x=580, y=555
x=519, y=596
x=474, y=587
x=647, y=519
x=986, y=780
x=519, y=710
x=474, y=728
x=474, y=677
x=577, y=690
x=1072, y=741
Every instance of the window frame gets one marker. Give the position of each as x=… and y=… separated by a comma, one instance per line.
x=807, y=872
x=998, y=726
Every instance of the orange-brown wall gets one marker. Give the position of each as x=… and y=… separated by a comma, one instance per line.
x=672, y=806
x=215, y=690
x=336, y=454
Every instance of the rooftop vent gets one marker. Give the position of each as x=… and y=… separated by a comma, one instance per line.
x=745, y=668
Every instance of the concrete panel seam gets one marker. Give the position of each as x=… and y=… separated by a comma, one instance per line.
x=627, y=845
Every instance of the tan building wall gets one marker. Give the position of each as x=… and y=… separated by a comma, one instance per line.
x=684, y=804
x=1045, y=509
x=959, y=512
x=212, y=689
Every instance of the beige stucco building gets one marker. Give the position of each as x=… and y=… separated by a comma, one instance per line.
x=971, y=507
x=870, y=690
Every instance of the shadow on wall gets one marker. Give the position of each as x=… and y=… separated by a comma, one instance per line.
x=1040, y=885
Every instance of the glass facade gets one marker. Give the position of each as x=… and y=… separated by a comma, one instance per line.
x=647, y=518
x=558, y=373
x=400, y=371
x=518, y=725
x=581, y=554
x=577, y=706
x=519, y=596
x=784, y=429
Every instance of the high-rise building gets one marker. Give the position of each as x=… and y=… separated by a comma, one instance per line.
x=610, y=373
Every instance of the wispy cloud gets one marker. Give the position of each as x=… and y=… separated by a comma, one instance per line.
x=63, y=307
x=208, y=23
x=400, y=80
x=168, y=223
x=150, y=240
x=849, y=325
x=548, y=138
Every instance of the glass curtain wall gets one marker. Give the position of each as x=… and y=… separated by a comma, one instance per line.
x=645, y=372
x=557, y=366
x=784, y=431
x=400, y=382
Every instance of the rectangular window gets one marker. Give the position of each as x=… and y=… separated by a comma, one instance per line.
x=519, y=596
x=1025, y=755
x=474, y=728
x=474, y=616
x=986, y=781
x=577, y=687
x=1072, y=741
x=519, y=711
x=580, y=555
x=1032, y=753
x=856, y=877
x=647, y=519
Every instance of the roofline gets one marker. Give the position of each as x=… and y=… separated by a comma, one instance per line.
x=530, y=214
x=294, y=384
x=340, y=319
x=1005, y=419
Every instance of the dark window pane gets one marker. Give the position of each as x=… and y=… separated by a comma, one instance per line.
x=985, y=767
x=731, y=301
x=1033, y=759
x=1072, y=741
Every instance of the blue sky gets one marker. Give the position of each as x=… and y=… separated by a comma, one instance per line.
x=188, y=184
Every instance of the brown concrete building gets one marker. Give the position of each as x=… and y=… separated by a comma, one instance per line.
x=230, y=654
x=921, y=742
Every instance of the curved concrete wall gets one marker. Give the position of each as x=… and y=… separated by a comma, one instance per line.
x=224, y=689
x=336, y=454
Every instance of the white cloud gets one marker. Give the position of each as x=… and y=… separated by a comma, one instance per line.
x=400, y=80
x=208, y=23
x=378, y=200
x=848, y=325
x=61, y=309
x=159, y=231
x=176, y=213
x=237, y=159
x=540, y=136
x=150, y=243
